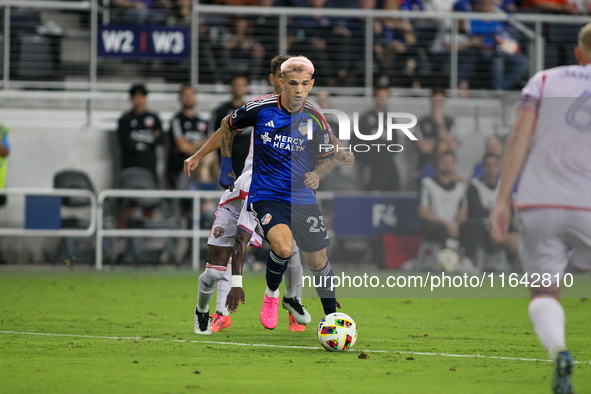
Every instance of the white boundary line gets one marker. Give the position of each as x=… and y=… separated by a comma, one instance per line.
x=278, y=346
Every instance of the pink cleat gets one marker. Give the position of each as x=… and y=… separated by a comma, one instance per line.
x=269, y=312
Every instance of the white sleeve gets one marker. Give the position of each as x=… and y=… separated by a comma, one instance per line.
x=533, y=88
x=177, y=130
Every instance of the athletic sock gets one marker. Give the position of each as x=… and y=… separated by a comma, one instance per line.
x=322, y=282
x=276, y=266
x=224, y=286
x=207, y=284
x=548, y=319
x=293, y=276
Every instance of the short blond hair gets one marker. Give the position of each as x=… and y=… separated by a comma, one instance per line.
x=585, y=39
x=297, y=64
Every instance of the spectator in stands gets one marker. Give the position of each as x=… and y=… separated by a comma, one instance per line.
x=323, y=39
x=497, y=47
x=141, y=11
x=395, y=48
x=241, y=144
x=377, y=169
x=266, y=30
x=187, y=134
x=482, y=192
x=243, y=53
x=435, y=127
x=4, y=152
x=442, y=206
x=139, y=131
x=493, y=146
x=181, y=13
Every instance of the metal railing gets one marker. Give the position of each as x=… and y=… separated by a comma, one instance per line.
x=531, y=25
x=24, y=232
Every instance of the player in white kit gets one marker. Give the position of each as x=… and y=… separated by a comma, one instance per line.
x=552, y=137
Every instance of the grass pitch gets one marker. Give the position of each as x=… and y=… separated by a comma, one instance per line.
x=132, y=332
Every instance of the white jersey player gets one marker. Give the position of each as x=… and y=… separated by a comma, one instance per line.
x=552, y=136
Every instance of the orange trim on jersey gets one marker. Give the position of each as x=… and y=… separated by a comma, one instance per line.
x=279, y=103
x=555, y=206
x=230, y=121
x=326, y=154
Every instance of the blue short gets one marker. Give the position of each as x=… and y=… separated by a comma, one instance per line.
x=305, y=221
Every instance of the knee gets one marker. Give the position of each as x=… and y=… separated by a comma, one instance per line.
x=282, y=249
x=316, y=260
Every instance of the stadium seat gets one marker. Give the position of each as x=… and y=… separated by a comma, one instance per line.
x=140, y=250
x=70, y=248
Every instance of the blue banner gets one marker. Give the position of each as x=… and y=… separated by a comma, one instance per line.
x=144, y=41
x=375, y=215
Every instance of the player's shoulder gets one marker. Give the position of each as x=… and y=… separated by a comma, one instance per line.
x=261, y=102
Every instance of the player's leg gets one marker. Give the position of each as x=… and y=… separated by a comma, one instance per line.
x=208, y=280
x=544, y=253
x=293, y=286
x=274, y=218
x=221, y=318
x=220, y=243
x=312, y=238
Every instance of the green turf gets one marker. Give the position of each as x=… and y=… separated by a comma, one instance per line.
x=153, y=305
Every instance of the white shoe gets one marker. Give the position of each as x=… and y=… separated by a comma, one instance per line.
x=202, y=323
x=295, y=307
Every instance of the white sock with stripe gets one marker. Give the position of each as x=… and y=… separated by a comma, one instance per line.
x=207, y=284
x=224, y=286
x=548, y=319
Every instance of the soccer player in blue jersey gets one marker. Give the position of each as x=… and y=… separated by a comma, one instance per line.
x=292, y=154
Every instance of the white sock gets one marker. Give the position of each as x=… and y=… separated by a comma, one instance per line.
x=207, y=284
x=293, y=276
x=224, y=286
x=271, y=293
x=548, y=318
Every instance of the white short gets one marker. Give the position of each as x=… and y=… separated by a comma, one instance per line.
x=223, y=230
x=550, y=237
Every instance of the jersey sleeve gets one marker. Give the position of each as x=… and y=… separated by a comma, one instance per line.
x=424, y=195
x=532, y=92
x=244, y=117
x=324, y=147
x=175, y=128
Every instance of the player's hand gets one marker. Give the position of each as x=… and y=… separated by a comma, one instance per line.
x=347, y=158
x=227, y=176
x=453, y=229
x=190, y=164
x=235, y=296
x=339, y=304
x=312, y=180
x=500, y=218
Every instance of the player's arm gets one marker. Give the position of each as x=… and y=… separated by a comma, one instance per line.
x=312, y=179
x=236, y=294
x=513, y=159
x=227, y=176
x=344, y=156
x=211, y=145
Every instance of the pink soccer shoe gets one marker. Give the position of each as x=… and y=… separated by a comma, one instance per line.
x=269, y=312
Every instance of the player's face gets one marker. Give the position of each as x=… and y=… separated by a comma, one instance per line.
x=139, y=102
x=188, y=98
x=296, y=87
x=239, y=87
x=446, y=165
x=491, y=168
x=274, y=79
x=438, y=101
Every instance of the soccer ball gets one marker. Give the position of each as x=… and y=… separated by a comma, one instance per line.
x=337, y=332
x=448, y=260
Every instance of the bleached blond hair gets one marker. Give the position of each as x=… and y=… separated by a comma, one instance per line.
x=585, y=39
x=297, y=64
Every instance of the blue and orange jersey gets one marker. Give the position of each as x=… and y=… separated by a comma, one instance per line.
x=285, y=148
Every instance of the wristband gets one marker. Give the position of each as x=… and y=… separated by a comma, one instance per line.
x=236, y=280
x=225, y=179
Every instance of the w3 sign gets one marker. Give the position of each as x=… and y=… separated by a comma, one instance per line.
x=133, y=41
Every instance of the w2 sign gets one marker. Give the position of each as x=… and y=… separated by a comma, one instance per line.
x=132, y=41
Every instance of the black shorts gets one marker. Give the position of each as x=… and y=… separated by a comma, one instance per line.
x=305, y=221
